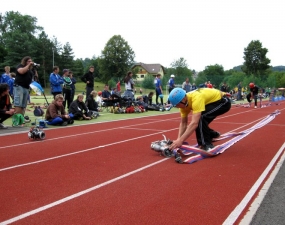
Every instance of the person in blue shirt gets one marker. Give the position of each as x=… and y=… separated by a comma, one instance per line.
x=171, y=84
x=72, y=85
x=158, y=89
x=5, y=76
x=56, y=82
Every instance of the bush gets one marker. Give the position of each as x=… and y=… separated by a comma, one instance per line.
x=148, y=82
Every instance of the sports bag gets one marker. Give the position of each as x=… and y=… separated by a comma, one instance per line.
x=38, y=111
x=17, y=119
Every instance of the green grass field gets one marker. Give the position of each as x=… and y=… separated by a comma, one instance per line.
x=80, y=87
x=104, y=116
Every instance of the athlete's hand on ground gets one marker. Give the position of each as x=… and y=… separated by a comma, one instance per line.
x=176, y=144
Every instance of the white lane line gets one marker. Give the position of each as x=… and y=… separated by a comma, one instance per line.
x=104, y=130
x=24, y=215
x=81, y=151
x=101, y=146
x=80, y=134
x=262, y=193
x=240, y=207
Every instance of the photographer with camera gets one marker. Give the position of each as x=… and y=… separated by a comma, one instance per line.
x=24, y=76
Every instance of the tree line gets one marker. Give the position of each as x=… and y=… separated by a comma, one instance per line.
x=21, y=36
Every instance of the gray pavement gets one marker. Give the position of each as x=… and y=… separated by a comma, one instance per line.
x=272, y=208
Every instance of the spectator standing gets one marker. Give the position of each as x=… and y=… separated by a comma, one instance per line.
x=118, y=85
x=158, y=89
x=73, y=80
x=56, y=82
x=224, y=87
x=11, y=85
x=239, y=89
x=5, y=77
x=56, y=114
x=129, y=85
x=6, y=110
x=194, y=87
x=171, y=84
x=186, y=86
x=88, y=78
x=22, y=83
x=66, y=88
x=79, y=109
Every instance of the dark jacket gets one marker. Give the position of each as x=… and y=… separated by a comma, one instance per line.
x=91, y=104
x=5, y=104
x=54, y=111
x=77, y=107
x=88, y=77
x=73, y=83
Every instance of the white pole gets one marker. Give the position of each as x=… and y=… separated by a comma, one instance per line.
x=52, y=57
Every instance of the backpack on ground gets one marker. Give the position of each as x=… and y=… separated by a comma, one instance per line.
x=17, y=119
x=38, y=111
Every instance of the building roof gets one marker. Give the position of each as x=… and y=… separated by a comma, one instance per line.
x=150, y=68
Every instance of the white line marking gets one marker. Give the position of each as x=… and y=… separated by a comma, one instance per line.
x=24, y=215
x=240, y=207
x=79, y=134
x=100, y=146
x=81, y=151
x=262, y=193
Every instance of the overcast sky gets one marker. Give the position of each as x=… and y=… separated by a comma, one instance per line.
x=203, y=32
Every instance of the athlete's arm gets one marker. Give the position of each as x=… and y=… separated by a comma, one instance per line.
x=189, y=130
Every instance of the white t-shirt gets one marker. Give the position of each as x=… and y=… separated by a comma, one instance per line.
x=128, y=85
x=98, y=99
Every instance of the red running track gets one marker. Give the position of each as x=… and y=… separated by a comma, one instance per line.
x=105, y=173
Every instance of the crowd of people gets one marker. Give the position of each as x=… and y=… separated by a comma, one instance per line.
x=64, y=109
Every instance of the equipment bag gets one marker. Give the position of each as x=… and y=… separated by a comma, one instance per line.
x=17, y=119
x=38, y=111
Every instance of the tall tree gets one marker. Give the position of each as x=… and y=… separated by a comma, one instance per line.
x=116, y=59
x=67, y=57
x=44, y=57
x=214, y=74
x=256, y=62
x=17, y=36
x=180, y=69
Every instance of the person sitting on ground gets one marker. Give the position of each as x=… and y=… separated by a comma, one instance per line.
x=107, y=97
x=98, y=99
x=56, y=114
x=141, y=101
x=6, y=110
x=91, y=104
x=79, y=109
x=150, y=95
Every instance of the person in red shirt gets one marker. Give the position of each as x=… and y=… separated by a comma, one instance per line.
x=118, y=86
